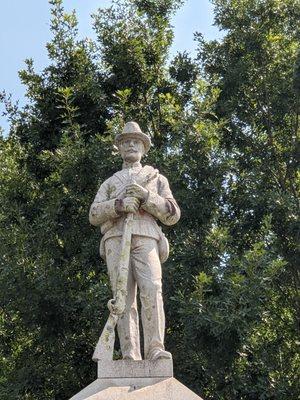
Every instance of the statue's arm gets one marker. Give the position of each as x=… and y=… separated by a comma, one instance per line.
x=162, y=204
x=103, y=209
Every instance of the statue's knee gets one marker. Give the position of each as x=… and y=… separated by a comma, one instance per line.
x=151, y=288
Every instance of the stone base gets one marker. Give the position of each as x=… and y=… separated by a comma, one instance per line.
x=124, y=379
x=156, y=370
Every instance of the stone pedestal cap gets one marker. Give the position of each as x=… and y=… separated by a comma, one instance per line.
x=132, y=129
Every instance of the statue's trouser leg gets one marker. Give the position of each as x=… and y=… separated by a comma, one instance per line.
x=128, y=325
x=146, y=269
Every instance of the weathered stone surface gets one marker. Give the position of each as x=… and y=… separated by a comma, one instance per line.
x=112, y=393
x=127, y=373
x=127, y=207
x=89, y=390
x=168, y=389
x=136, y=369
x=100, y=385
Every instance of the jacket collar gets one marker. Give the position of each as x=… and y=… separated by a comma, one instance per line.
x=135, y=165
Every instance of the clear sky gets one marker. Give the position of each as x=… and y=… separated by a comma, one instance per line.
x=24, y=31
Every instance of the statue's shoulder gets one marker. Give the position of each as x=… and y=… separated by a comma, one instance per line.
x=111, y=180
x=149, y=173
x=107, y=181
x=148, y=169
x=154, y=171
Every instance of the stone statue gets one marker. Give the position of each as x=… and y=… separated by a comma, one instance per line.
x=126, y=207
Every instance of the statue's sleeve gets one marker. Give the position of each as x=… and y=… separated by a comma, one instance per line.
x=162, y=204
x=103, y=208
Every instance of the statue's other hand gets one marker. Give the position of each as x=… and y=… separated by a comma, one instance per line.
x=116, y=307
x=128, y=205
x=136, y=190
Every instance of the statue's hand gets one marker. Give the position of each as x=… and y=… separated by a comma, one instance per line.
x=136, y=190
x=116, y=307
x=127, y=205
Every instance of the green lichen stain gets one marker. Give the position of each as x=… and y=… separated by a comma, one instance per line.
x=147, y=307
x=110, y=190
x=106, y=337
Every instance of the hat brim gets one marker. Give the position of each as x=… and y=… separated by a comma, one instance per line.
x=137, y=135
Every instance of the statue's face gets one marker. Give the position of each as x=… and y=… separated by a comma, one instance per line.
x=131, y=149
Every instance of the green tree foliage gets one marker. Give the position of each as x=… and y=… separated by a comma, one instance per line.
x=256, y=68
x=224, y=129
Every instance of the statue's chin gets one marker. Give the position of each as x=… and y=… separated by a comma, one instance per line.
x=133, y=158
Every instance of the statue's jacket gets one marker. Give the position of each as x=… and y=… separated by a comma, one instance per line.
x=160, y=205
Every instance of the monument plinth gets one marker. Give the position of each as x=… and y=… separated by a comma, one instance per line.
x=144, y=379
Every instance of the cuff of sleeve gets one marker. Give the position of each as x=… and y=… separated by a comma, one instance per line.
x=98, y=210
x=114, y=213
x=154, y=203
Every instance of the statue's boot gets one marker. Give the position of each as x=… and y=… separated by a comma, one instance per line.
x=156, y=354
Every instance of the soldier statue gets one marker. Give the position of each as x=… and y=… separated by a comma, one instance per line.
x=143, y=193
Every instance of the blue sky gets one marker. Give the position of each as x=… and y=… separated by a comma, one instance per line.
x=24, y=31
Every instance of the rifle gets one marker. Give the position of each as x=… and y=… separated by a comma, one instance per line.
x=105, y=346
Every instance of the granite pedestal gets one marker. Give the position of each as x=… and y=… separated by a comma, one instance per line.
x=124, y=379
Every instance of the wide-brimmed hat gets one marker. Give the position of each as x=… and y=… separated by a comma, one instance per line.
x=132, y=129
